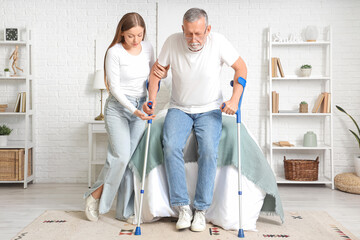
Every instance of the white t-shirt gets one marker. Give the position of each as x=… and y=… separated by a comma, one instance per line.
x=126, y=73
x=196, y=83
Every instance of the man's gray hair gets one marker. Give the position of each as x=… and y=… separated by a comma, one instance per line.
x=194, y=14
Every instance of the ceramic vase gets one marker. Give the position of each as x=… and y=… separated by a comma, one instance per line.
x=3, y=140
x=305, y=72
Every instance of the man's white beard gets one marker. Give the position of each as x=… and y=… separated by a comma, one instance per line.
x=195, y=46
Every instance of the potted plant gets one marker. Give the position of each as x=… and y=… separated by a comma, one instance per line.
x=7, y=72
x=357, y=137
x=4, y=133
x=303, y=107
x=306, y=70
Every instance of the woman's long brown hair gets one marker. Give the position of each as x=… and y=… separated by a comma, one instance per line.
x=127, y=22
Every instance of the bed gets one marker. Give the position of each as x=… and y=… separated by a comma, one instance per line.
x=260, y=193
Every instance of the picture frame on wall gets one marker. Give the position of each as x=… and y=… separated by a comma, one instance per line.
x=11, y=34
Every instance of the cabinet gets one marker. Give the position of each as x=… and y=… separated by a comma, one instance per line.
x=22, y=123
x=94, y=128
x=290, y=125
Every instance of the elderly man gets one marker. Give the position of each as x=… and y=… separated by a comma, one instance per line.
x=196, y=57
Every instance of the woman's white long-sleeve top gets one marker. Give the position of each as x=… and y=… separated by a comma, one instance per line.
x=127, y=74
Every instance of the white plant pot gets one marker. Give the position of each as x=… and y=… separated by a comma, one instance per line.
x=7, y=74
x=357, y=165
x=3, y=140
x=306, y=72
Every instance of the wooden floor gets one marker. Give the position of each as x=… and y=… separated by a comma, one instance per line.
x=19, y=207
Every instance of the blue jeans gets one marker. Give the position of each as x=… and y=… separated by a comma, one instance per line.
x=207, y=128
x=124, y=133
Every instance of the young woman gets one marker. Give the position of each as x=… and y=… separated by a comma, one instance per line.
x=127, y=65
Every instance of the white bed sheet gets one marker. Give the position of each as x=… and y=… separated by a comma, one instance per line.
x=224, y=210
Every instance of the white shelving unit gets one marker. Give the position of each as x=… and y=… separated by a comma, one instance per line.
x=26, y=84
x=325, y=120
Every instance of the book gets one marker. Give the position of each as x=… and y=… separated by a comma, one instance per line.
x=23, y=100
x=17, y=103
x=273, y=102
x=277, y=103
x=318, y=102
x=329, y=103
x=325, y=103
x=280, y=68
x=3, y=105
x=274, y=67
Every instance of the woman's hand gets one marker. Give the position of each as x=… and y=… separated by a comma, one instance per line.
x=143, y=116
x=160, y=71
x=148, y=110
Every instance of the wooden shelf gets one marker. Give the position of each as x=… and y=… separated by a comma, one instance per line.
x=300, y=147
x=302, y=114
x=321, y=180
x=2, y=42
x=27, y=126
x=13, y=78
x=17, y=144
x=324, y=43
x=29, y=179
x=296, y=78
x=323, y=122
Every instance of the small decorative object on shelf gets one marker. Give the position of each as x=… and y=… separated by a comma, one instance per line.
x=357, y=137
x=311, y=34
x=12, y=164
x=14, y=56
x=11, y=34
x=303, y=107
x=7, y=72
x=4, y=133
x=3, y=107
x=306, y=70
x=283, y=144
x=301, y=170
x=310, y=139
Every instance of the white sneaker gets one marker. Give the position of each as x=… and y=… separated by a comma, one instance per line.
x=185, y=217
x=131, y=219
x=199, y=223
x=92, y=208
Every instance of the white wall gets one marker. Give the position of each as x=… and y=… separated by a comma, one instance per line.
x=64, y=34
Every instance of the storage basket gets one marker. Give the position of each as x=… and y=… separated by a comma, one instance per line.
x=12, y=164
x=301, y=170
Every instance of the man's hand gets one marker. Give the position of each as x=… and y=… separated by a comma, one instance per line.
x=148, y=110
x=230, y=107
x=141, y=115
x=160, y=71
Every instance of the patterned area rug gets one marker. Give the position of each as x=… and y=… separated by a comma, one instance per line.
x=71, y=225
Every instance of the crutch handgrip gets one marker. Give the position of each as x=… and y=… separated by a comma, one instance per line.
x=242, y=81
x=150, y=105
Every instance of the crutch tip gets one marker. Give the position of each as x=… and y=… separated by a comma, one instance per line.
x=241, y=233
x=137, y=231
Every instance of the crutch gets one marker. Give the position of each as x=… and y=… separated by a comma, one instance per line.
x=142, y=191
x=242, y=81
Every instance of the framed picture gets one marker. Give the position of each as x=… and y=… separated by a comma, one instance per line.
x=11, y=34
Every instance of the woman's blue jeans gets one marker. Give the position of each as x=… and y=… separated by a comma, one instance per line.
x=124, y=133
x=207, y=128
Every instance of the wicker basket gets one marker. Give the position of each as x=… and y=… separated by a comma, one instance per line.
x=301, y=170
x=12, y=164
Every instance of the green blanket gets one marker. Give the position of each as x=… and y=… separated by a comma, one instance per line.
x=254, y=165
